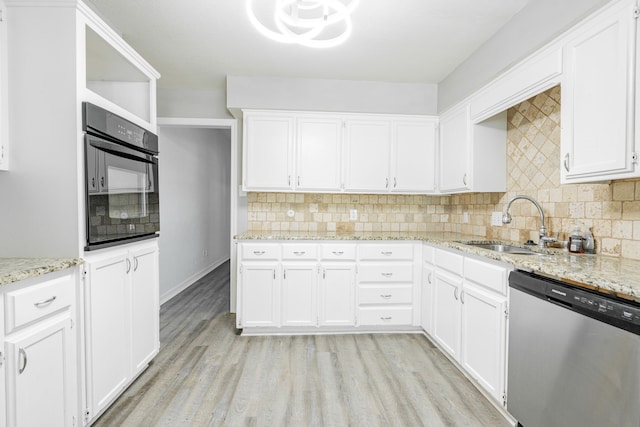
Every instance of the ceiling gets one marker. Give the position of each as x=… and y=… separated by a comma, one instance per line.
x=195, y=44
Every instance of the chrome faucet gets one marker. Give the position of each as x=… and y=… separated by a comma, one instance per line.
x=506, y=219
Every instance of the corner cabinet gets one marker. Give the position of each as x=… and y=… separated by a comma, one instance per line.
x=339, y=152
x=39, y=350
x=121, y=314
x=473, y=156
x=470, y=317
x=600, y=114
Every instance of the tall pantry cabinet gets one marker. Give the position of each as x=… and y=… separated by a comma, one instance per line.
x=60, y=55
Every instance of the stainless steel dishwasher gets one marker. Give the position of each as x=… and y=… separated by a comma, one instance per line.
x=574, y=355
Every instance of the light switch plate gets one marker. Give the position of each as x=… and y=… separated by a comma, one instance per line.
x=353, y=214
x=496, y=219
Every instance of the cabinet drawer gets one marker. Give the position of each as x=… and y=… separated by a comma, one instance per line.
x=260, y=251
x=368, y=316
x=302, y=251
x=338, y=252
x=385, y=295
x=492, y=276
x=386, y=252
x=427, y=253
x=23, y=306
x=449, y=261
x=382, y=273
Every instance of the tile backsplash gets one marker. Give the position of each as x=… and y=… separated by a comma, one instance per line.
x=611, y=210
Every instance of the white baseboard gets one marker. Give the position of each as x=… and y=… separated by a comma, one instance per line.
x=191, y=280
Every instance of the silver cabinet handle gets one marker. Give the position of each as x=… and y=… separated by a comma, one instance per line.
x=386, y=319
x=299, y=253
x=386, y=253
x=429, y=277
x=298, y=180
x=338, y=253
x=128, y=265
x=22, y=355
x=385, y=296
x=566, y=162
x=387, y=274
x=135, y=263
x=258, y=253
x=455, y=293
x=462, y=297
x=289, y=181
x=386, y=183
x=45, y=302
x=464, y=179
x=395, y=182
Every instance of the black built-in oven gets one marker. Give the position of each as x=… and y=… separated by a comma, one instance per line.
x=121, y=170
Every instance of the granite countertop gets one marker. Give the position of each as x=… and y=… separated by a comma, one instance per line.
x=16, y=269
x=598, y=272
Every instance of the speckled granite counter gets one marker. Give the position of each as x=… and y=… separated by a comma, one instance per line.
x=15, y=269
x=598, y=272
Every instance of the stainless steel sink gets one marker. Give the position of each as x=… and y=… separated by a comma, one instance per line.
x=508, y=249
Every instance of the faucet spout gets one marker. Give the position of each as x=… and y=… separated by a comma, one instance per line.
x=506, y=218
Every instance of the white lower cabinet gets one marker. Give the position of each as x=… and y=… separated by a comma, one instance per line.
x=337, y=294
x=39, y=352
x=427, y=291
x=299, y=294
x=121, y=297
x=259, y=295
x=470, y=317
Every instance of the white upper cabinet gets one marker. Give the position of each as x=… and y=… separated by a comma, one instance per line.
x=331, y=152
x=413, y=161
x=598, y=87
x=473, y=156
x=368, y=145
x=268, y=145
x=318, y=147
x=4, y=116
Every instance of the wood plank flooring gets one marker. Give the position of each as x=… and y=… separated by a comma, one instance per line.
x=207, y=375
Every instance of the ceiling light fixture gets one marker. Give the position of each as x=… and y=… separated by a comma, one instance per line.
x=311, y=23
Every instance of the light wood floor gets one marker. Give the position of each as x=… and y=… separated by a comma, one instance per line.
x=207, y=375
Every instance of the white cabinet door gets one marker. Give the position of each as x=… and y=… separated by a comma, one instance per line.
x=337, y=294
x=597, y=101
x=427, y=302
x=145, y=307
x=259, y=295
x=483, y=338
x=41, y=374
x=319, y=149
x=268, y=144
x=299, y=294
x=367, y=155
x=107, y=332
x=413, y=167
x=446, y=312
x=455, y=138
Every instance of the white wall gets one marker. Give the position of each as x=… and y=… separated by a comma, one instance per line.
x=330, y=95
x=210, y=104
x=195, y=188
x=534, y=26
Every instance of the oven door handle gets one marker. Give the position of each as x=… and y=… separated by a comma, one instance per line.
x=120, y=151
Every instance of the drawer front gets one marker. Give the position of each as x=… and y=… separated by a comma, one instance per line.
x=303, y=251
x=386, y=252
x=385, y=295
x=260, y=251
x=428, y=253
x=449, y=261
x=381, y=273
x=379, y=316
x=338, y=252
x=491, y=276
x=26, y=305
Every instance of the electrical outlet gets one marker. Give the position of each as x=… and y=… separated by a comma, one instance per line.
x=496, y=219
x=353, y=214
x=465, y=217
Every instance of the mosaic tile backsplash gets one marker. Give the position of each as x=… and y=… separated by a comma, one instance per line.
x=611, y=210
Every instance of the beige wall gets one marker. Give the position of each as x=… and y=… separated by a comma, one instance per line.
x=611, y=210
